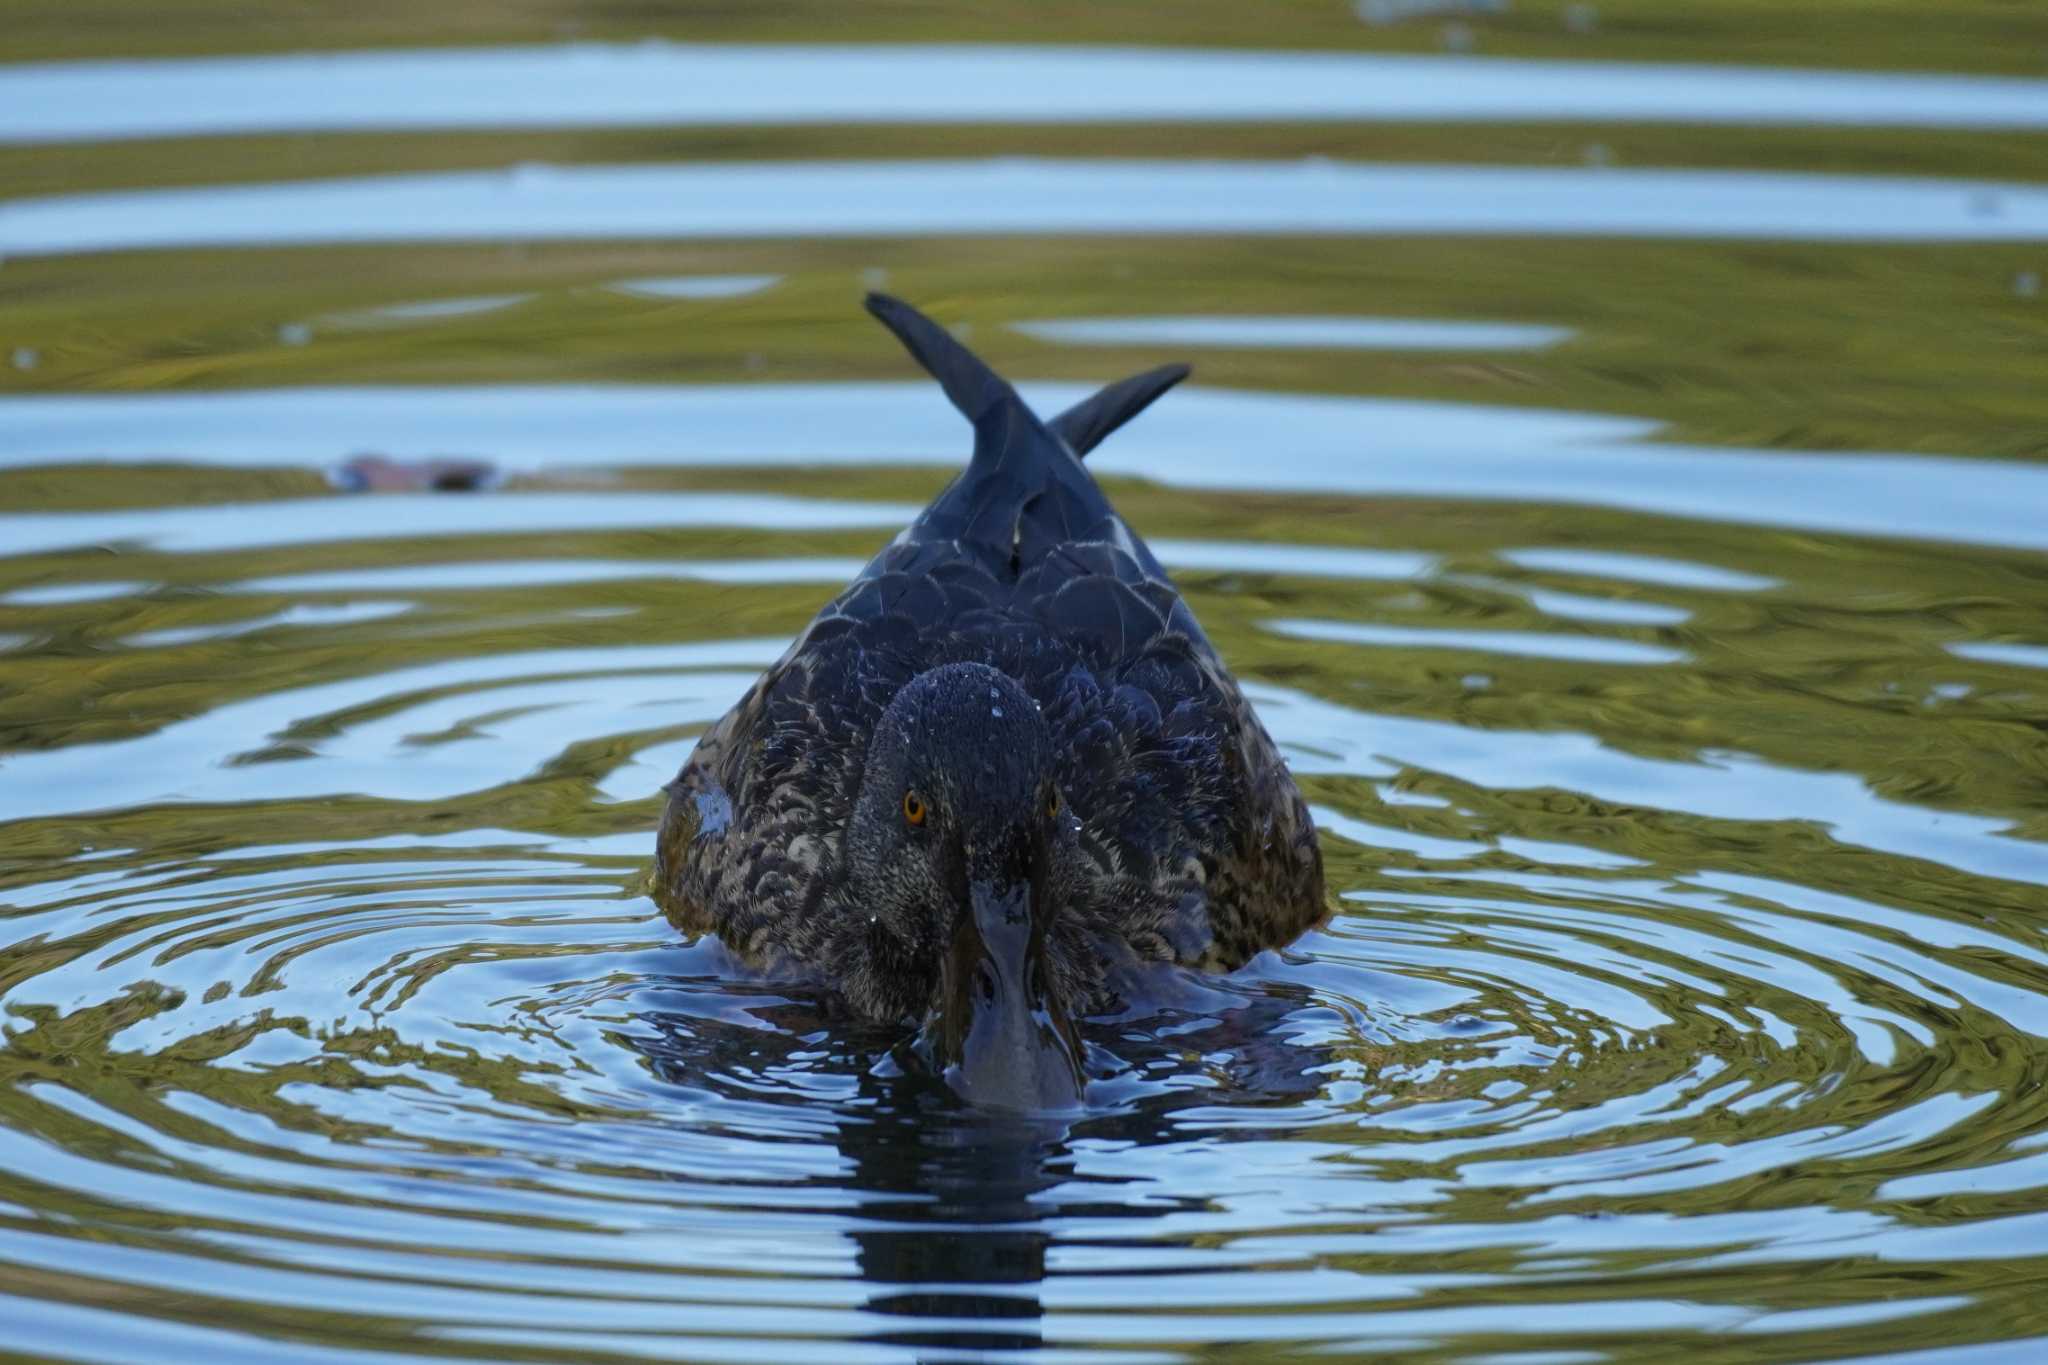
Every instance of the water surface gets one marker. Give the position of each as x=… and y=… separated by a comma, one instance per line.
x=1666, y=664
x=583, y=85
x=1029, y=196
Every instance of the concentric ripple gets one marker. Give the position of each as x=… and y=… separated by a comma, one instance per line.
x=1617, y=479
x=335, y=1015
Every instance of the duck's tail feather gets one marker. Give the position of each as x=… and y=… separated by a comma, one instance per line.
x=1085, y=425
x=978, y=391
x=1001, y=420
x=1024, y=485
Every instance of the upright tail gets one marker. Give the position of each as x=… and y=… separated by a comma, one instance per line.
x=978, y=391
x=986, y=399
x=1084, y=425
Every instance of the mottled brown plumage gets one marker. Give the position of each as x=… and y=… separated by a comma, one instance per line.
x=1176, y=833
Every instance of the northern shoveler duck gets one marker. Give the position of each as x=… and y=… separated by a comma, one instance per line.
x=998, y=773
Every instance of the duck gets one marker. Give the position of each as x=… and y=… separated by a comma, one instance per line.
x=1002, y=776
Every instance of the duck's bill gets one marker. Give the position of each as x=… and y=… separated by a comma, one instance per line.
x=1002, y=1035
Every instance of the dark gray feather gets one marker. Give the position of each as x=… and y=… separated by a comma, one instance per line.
x=1085, y=425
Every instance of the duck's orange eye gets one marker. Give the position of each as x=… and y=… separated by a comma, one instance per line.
x=913, y=808
x=1052, y=803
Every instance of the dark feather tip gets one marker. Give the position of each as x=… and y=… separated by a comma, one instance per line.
x=975, y=389
x=1087, y=423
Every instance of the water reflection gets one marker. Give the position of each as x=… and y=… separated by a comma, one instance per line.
x=822, y=200
x=1638, y=568
x=211, y=529
x=430, y=732
x=695, y=286
x=952, y=1226
x=590, y=85
x=1205, y=438
x=960, y=1213
x=1675, y=745
x=2018, y=655
x=1587, y=649
x=309, y=614
x=1298, y=333
x=421, y=311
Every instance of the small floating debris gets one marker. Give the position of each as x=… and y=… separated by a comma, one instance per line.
x=434, y=474
x=2025, y=285
x=695, y=286
x=26, y=358
x=294, y=334
x=1581, y=17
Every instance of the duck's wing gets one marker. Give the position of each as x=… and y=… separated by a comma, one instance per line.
x=750, y=840
x=740, y=851
x=1204, y=849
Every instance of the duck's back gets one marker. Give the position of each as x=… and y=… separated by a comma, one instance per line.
x=1201, y=849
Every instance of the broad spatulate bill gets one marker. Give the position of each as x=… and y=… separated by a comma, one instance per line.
x=1001, y=772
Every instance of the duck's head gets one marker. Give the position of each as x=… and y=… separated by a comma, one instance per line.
x=958, y=848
